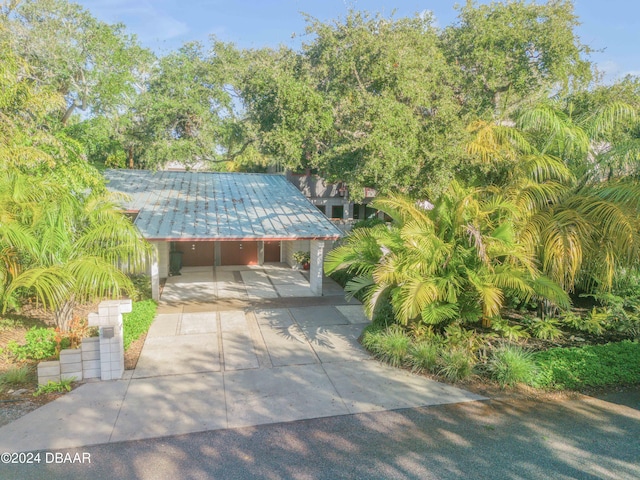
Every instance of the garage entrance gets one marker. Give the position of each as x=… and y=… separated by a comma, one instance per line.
x=238, y=253
x=196, y=254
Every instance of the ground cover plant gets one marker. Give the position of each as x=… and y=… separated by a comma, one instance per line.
x=137, y=322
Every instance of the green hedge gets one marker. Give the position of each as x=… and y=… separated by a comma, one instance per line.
x=138, y=321
x=589, y=366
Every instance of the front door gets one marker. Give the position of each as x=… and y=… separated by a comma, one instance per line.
x=271, y=252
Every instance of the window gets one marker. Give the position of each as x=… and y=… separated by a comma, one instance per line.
x=337, y=211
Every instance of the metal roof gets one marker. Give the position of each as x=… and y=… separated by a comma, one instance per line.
x=192, y=206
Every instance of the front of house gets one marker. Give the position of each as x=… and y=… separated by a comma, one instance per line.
x=223, y=219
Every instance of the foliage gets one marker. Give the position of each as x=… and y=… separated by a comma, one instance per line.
x=589, y=366
x=301, y=257
x=508, y=331
x=189, y=113
x=40, y=345
x=138, y=321
x=72, y=246
x=16, y=375
x=508, y=51
x=390, y=345
x=456, y=364
x=95, y=66
x=458, y=260
x=546, y=328
x=424, y=356
x=142, y=287
x=510, y=364
x=367, y=223
x=594, y=323
x=54, y=387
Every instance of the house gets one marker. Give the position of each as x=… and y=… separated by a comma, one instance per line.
x=223, y=219
x=333, y=199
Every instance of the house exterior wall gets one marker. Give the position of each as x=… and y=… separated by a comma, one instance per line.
x=163, y=258
x=289, y=247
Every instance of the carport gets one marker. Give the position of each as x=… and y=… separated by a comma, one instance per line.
x=218, y=219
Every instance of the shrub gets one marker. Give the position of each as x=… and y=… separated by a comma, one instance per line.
x=390, y=345
x=546, y=329
x=393, y=346
x=589, y=366
x=51, y=387
x=367, y=223
x=40, y=344
x=424, y=356
x=594, y=323
x=510, y=364
x=138, y=321
x=510, y=332
x=142, y=287
x=456, y=364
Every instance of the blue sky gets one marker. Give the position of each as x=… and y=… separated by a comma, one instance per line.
x=611, y=26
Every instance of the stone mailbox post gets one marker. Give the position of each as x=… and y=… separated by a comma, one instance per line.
x=109, y=321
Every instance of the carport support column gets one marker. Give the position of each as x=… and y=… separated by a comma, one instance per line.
x=155, y=274
x=316, y=261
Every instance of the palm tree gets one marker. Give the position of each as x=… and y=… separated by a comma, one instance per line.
x=575, y=213
x=457, y=261
x=63, y=247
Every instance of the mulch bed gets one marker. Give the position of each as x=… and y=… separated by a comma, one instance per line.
x=18, y=400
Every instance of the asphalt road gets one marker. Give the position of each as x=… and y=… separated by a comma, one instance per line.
x=584, y=438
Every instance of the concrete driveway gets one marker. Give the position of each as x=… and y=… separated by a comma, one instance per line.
x=209, y=365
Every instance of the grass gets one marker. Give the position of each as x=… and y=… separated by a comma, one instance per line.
x=424, y=356
x=510, y=364
x=138, y=321
x=17, y=375
x=589, y=366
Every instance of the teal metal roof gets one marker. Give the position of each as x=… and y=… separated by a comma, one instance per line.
x=191, y=206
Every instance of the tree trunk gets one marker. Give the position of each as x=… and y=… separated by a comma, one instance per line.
x=131, y=158
x=64, y=315
x=68, y=113
x=486, y=322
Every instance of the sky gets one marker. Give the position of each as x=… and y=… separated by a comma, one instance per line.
x=611, y=27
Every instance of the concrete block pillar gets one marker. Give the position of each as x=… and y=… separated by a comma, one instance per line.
x=109, y=321
x=155, y=274
x=260, y=253
x=316, y=270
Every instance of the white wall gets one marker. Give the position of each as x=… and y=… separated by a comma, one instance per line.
x=163, y=258
x=289, y=247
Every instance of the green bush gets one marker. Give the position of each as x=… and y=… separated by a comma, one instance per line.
x=40, y=344
x=138, y=321
x=456, y=364
x=16, y=375
x=367, y=223
x=424, y=356
x=142, y=287
x=394, y=347
x=546, y=329
x=57, y=387
x=589, y=366
x=390, y=345
x=510, y=364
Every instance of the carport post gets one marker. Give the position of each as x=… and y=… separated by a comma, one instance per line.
x=155, y=274
x=315, y=272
